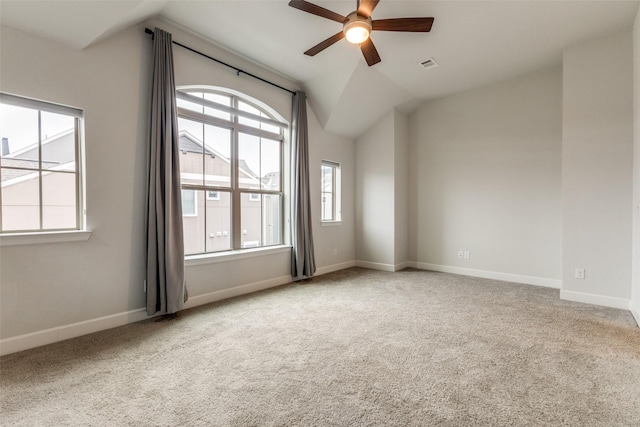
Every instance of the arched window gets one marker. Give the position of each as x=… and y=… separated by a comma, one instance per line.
x=231, y=167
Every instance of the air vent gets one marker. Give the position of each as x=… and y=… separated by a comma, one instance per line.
x=428, y=63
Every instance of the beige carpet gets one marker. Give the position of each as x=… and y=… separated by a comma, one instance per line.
x=356, y=347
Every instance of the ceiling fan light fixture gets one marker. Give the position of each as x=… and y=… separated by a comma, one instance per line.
x=357, y=28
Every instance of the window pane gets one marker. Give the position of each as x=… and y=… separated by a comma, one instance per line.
x=261, y=220
x=250, y=221
x=327, y=207
x=327, y=193
x=268, y=127
x=193, y=221
x=330, y=191
x=249, y=161
x=220, y=99
x=270, y=164
x=217, y=162
x=191, y=151
x=271, y=214
x=58, y=141
x=20, y=200
x=189, y=203
x=218, y=214
x=327, y=179
x=19, y=132
x=58, y=200
x=243, y=106
x=181, y=103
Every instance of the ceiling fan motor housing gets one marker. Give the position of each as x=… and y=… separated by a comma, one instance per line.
x=359, y=25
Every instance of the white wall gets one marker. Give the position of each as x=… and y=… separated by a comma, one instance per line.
x=401, y=190
x=46, y=286
x=54, y=291
x=635, y=301
x=375, y=171
x=597, y=168
x=485, y=178
x=334, y=244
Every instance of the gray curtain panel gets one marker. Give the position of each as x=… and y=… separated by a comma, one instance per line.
x=166, y=292
x=303, y=263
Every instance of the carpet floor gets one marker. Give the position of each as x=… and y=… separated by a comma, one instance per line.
x=352, y=348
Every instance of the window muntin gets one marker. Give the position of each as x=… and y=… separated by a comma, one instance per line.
x=41, y=184
x=330, y=191
x=231, y=153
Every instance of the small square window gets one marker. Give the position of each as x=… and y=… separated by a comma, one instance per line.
x=254, y=197
x=213, y=195
x=40, y=166
x=189, y=203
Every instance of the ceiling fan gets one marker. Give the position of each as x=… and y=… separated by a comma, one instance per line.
x=357, y=26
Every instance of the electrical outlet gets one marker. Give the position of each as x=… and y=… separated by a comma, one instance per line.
x=466, y=255
x=579, y=273
x=335, y=251
x=461, y=254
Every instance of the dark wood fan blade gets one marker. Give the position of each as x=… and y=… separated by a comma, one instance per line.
x=370, y=53
x=420, y=25
x=366, y=7
x=325, y=44
x=317, y=10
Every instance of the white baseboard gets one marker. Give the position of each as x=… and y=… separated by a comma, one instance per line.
x=403, y=265
x=602, y=300
x=635, y=311
x=236, y=291
x=507, y=277
x=335, y=267
x=61, y=333
x=382, y=267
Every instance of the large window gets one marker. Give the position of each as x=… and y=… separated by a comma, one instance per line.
x=40, y=166
x=231, y=172
x=330, y=191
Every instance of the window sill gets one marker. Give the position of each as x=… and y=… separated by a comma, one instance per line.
x=19, y=239
x=330, y=223
x=215, y=258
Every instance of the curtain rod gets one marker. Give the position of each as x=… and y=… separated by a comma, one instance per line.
x=238, y=70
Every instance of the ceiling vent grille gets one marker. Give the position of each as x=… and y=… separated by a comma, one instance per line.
x=429, y=63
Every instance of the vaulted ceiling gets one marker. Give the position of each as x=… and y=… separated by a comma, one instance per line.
x=474, y=42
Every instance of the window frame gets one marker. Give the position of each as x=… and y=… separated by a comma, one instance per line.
x=21, y=236
x=236, y=128
x=335, y=194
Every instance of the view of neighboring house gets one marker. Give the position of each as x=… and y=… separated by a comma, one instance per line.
x=29, y=183
x=207, y=213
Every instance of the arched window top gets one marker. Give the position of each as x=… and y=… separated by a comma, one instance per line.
x=224, y=104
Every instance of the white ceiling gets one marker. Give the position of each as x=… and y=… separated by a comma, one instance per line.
x=475, y=42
